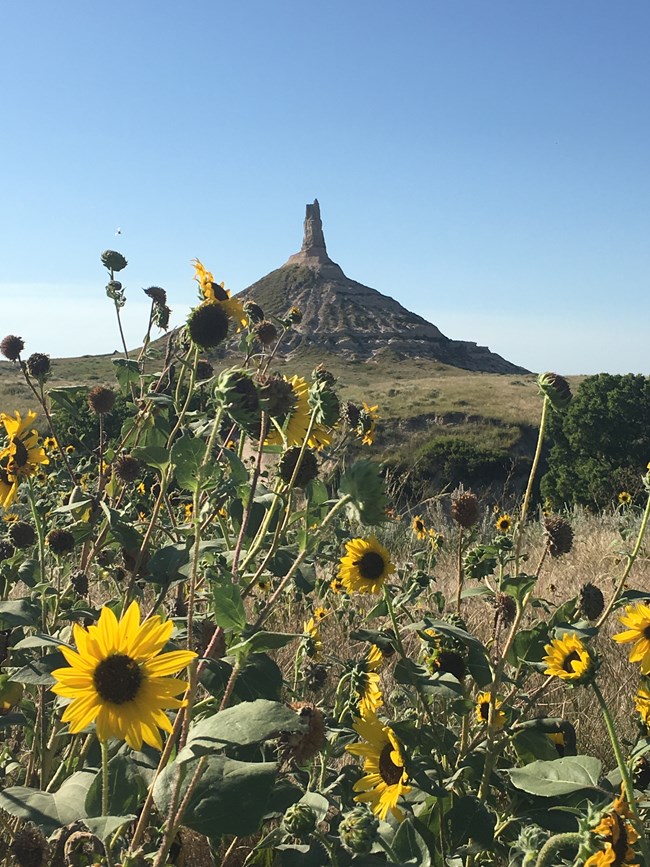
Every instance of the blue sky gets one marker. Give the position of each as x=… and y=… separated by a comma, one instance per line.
x=484, y=163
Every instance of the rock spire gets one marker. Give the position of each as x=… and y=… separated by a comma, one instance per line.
x=313, y=251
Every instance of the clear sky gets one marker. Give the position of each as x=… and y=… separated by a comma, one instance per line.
x=484, y=162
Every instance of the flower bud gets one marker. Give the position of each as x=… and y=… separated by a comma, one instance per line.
x=299, y=821
x=358, y=830
x=556, y=389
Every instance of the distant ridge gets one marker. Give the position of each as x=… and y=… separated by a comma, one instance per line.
x=353, y=320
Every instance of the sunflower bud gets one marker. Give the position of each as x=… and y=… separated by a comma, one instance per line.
x=253, y=311
x=559, y=535
x=101, y=399
x=323, y=399
x=22, y=534
x=157, y=295
x=38, y=366
x=236, y=392
x=29, y=847
x=113, y=260
x=7, y=551
x=308, y=466
x=60, y=542
x=299, y=821
x=556, y=389
x=11, y=347
x=265, y=332
x=358, y=831
x=127, y=468
x=161, y=314
x=465, y=509
x=592, y=601
x=207, y=325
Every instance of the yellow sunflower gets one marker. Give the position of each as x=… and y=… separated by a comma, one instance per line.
x=418, y=527
x=557, y=739
x=503, y=523
x=368, y=423
x=618, y=837
x=642, y=704
x=118, y=678
x=8, y=489
x=568, y=659
x=365, y=566
x=213, y=291
x=367, y=682
x=295, y=426
x=483, y=710
x=386, y=779
x=313, y=642
x=637, y=619
x=624, y=498
x=23, y=453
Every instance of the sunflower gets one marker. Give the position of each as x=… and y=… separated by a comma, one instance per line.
x=503, y=523
x=637, y=619
x=418, y=527
x=365, y=566
x=642, y=704
x=313, y=643
x=618, y=836
x=366, y=682
x=367, y=424
x=483, y=710
x=386, y=779
x=212, y=291
x=557, y=739
x=8, y=489
x=624, y=498
x=568, y=659
x=117, y=678
x=294, y=428
x=23, y=452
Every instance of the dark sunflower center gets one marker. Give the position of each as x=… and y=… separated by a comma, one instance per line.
x=484, y=710
x=567, y=665
x=370, y=566
x=388, y=770
x=419, y=526
x=118, y=678
x=646, y=632
x=219, y=292
x=619, y=842
x=21, y=455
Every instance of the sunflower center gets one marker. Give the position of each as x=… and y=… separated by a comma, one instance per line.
x=21, y=454
x=390, y=773
x=567, y=665
x=646, y=632
x=484, y=710
x=619, y=841
x=370, y=566
x=118, y=678
x=219, y=292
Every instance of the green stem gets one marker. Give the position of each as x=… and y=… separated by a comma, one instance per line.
x=551, y=849
x=531, y=478
x=628, y=784
x=104, y=747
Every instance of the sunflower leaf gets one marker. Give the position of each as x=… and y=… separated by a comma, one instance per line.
x=49, y=811
x=558, y=777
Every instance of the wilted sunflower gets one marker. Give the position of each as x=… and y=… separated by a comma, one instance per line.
x=212, y=291
x=365, y=566
x=419, y=528
x=568, y=659
x=118, y=678
x=386, y=779
x=293, y=428
x=619, y=836
x=637, y=619
x=22, y=455
x=503, y=523
x=642, y=704
x=483, y=710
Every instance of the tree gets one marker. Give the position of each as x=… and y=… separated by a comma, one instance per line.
x=601, y=444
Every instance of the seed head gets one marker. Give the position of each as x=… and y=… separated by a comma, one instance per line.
x=38, y=365
x=592, y=601
x=11, y=347
x=559, y=535
x=465, y=509
x=157, y=295
x=204, y=370
x=277, y=397
x=505, y=607
x=22, y=534
x=451, y=662
x=127, y=468
x=253, y=311
x=60, y=542
x=208, y=325
x=315, y=675
x=351, y=414
x=101, y=399
x=7, y=551
x=113, y=260
x=266, y=332
x=29, y=847
x=303, y=746
x=308, y=466
x=79, y=581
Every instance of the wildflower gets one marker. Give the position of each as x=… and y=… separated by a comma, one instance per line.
x=70, y=450
x=204, y=370
x=49, y=443
x=208, y=324
x=465, y=508
x=127, y=468
x=366, y=682
x=448, y=662
x=313, y=640
x=385, y=780
x=618, y=837
x=337, y=585
x=637, y=619
x=291, y=415
x=141, y=489
x=8, y=488
x=23, y=454
x=592, y=601
x=113, y=260
x=266, y=332
x=303, y=746
x=419, y=527
x=367, y=423
x=38, y=366
x=483, y=701
x=308, y=466
x=559, y=535
x=22, y=534
x=101, y=400
x=624, y=498
x=118, y=678
x=299, y=821
x=157, y=295
x=503, y=523
x=294, y=316
x=365, y=566
x=557, y=739
x=11, y=347
x=556, y=389
x=568, y=659
x=60, y=541
x=216, y=293
x=505, y=607
x=642, y=704
x=29, y=847
x=358, y=831
x=253, y=311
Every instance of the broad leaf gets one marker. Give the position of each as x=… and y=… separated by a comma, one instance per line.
x=559, y=777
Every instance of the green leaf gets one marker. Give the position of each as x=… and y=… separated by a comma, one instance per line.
x=187, y=456
x=228, y=607
x=238, y=471
x=259, y=678
x=39, y=671
x=363, y=484
x=106, y=827
x=469, y=819
x=19, y=612
x=231, y=797
x=153, y=456
x=409, y=845
x=166, y=563
x=559, y=777
x=251, y=722
x=127, y=373
x=262, y=641
x=49, y=811
x=29, y=572
x=126, y=789
x=122, y=532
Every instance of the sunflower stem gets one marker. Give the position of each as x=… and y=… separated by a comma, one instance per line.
x=531, y=478
x=459, y=572
x=626, y=777
x=104, y=748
